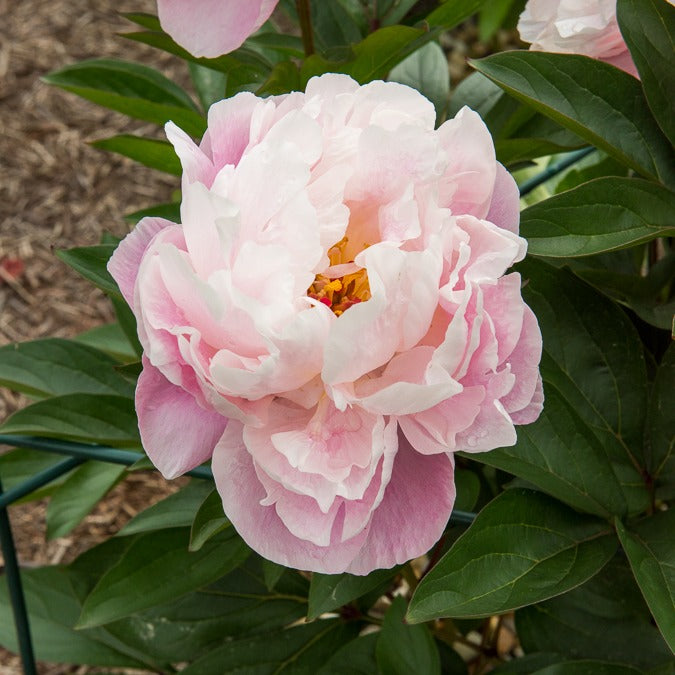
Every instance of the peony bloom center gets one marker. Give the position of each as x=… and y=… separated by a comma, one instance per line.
x=343, y=284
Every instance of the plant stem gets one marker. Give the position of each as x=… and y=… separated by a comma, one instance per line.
x=305, y=17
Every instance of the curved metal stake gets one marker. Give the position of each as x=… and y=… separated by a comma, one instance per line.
x=16, y=594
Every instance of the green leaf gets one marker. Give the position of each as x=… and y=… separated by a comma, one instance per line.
x=427, y=71
x=53, y=608
x=242, y=66
x=189, y=627
x=355, y=658
x=492, y=17
x=390, y=12
x=272, y=573
x=560, y=454
x=208, y=521
x=519, y=132
x=648, y=27
x=586, y=667
x=660, y=446
x=211, y=85
x=176, y=510
x=374, y=57
x=156, y=568
x=110, y=339
x=403, y=649
x=53, y=366
x=330, y=591
x=650, y=547
x=522, y=548
x=594, y=358
x=467, y=485
x=78, y=495
x=170, y=211
x=300, y=650
x=602, y=215
x=606, y=619
x=127, y=322
x=90, y=262
x=147, y=151
x=598, y=102
x=87, y=418
x=450, y=14
x=333, y=25
x=132, y=89
x=21, y=464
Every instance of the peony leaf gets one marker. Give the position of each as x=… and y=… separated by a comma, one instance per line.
x=451, y=14
x=608, y=606
x=648, y=27
x=147, y=151
x=598, y=102
x=156, y=568
x=523, y=547
x=132, y=89
x=187, y=628
x=602, y=215
x=587, y=666
x=209, y=519
x=90, y=262
x=176, y=510
x=88, y=418
x=594, y=358
x=52, y=367
x=355, y=658
x=79, y=494
x=660, y=447
x=327, y=592
x=426, y=71
x=560, y=454
x=109, y=339
x=300, y=650
x=53, y=607
x=650, y=548
x=403, y=649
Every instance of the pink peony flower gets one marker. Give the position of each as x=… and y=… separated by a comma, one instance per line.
x=211, y=28
x=333, y=318
x=586, y=27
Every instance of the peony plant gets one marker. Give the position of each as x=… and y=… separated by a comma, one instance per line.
x=411, y=339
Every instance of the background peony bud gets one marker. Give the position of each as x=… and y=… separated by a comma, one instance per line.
x=211, y=28
x=333, y=318
x=574, y=27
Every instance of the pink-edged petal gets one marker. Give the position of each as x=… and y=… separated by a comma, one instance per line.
x=229, y=128
x=176, y=433
x=625, y=62
x=408, y=520
x=435, y=430
x=260, y=526
x=505, y=205
x=505, y=307
x=531, y=412
x=125, y=261
x=211, y=28
x=413, y=512
x=197, y=166
x=524, y=363
x=469, y=179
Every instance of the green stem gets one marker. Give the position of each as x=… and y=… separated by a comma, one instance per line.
x=305, y=17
